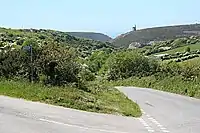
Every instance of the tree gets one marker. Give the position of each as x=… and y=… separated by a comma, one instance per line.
x=126, y=64
x=58, y=64
x=97, y=60
x=10, y=63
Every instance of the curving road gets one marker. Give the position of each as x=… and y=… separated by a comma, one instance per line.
x=162, y=113
x=166, y=112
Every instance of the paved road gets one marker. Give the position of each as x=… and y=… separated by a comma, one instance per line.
x=20, y=116
x=162, y=113
x=165, y=112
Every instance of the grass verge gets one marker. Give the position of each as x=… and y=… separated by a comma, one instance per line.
x=100, y=99
x=174, y=84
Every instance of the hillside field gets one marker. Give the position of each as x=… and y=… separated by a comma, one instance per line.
x=182, y=49
x=145, y=36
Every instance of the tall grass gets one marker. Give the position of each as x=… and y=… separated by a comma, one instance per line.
x=174, y=84
x=99, y=99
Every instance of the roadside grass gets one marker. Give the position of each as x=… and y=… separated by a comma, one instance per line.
x=181, y=49
x=99, y=99
x=170, y=84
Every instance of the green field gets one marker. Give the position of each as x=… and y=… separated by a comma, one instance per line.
x=182, y=49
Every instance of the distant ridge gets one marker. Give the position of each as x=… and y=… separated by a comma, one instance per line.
x=91, y=35
x=144, y=36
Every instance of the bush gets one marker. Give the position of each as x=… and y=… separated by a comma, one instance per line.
x=190, y=70
x=178, y=42
x=187, y=70
x=56, y=63
x=187, y=49
x=97, y=60
x=10, y=63
x=171, y=68
x=86, y=75
x=59, y=64
x=126, y=64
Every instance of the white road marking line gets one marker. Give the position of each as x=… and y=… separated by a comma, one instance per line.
x=152, y=119
x=160, y=125
x=145, y=124
x=141, y=120
x=143, y=113
x=163, y=128
x=165, y=131
x=149, y=129
x=148, y=115
x=81, y=127
x=156, y=122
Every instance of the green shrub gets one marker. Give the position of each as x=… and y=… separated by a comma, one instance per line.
x=10, y=63
x=170, y=68
x=190, y=70
x=126, y=64
x=187, y=49
x=97, y=60
x=59, y=64
x=86, y=75
x=178, y=42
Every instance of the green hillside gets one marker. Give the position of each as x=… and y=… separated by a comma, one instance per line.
x=172, y=65
x=178, y=50
x=91, y=35
x=144, y=36
x=55, y=73
x=17, y=38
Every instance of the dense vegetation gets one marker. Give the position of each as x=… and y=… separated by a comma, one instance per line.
x=62, y=70
x=181, y=49
x=171, y=65
x=18, y=38
x=145, y=36
x=181, y=78
x=91, y=35
x=173, y=45
x=81, y=73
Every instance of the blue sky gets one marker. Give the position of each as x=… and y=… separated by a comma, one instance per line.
x=111, y=17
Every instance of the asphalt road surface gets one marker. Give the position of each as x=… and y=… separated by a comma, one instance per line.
x=162, y=113
x=166, y=112
x=20, y=116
